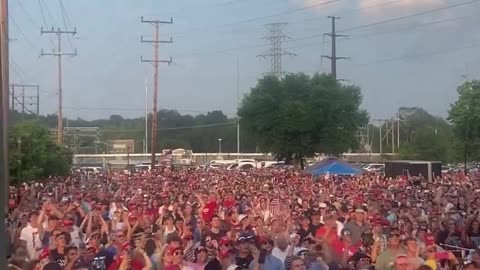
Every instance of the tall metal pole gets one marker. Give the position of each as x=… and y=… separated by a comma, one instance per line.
x=60, y=93
x=238, y=104
x=13, y=97
x=146, y=115
x=398, y=131
x=334, y=49
x=155, y=97
x=4, y=104
x=393, y=137
x=38, y=100
x=23, y=101
x=155, y=62
x=333, y=57
x=381, y=139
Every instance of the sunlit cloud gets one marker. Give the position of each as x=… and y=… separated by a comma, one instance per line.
x=368, y=7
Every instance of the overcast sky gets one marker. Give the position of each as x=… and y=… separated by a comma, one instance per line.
x=415, y=61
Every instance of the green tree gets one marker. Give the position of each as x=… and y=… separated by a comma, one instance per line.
x=464, y=115
x=299, y=115
x=34, y=155
x=426, y=144
x=424, y=136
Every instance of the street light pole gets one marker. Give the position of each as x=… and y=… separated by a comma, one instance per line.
x=220, y=146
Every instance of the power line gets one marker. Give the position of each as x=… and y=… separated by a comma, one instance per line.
x=291, y=11
x=141, y=109
x=388, y=20
x=322, y=35
x=49, y=14
x=43, y=13
x=29, y=16
x=44, y=18
x=12, y=20
x=66, y=19
x=407, y=29
x=408, y=16
x=66, y=22
x=174, y=128
x=425, y=54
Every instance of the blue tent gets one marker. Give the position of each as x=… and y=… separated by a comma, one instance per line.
x=332, y=166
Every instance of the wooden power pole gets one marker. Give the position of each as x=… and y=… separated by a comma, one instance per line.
x=4, y=104
x=59, y=53
x=155, y=62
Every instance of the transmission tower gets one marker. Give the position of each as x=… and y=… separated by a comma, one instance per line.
x=333, y=57
x=155, y=62
x=59, y=53
x=275, y=40
x=24, y=100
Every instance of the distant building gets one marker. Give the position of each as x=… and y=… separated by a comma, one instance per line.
x=120, y=146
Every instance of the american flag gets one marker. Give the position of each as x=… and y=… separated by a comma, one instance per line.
x=274, y=206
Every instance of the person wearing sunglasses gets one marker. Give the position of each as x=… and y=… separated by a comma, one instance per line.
x=385, y=260
x=360, y=261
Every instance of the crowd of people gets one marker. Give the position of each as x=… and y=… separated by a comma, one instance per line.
x=268, y=219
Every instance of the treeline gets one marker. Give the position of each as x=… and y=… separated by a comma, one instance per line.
x=197, y=132
x=294, y=117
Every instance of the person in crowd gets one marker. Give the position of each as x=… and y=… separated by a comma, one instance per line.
x=269, y=218
x=386, y=259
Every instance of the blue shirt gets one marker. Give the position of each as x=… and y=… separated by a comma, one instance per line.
x=271, y=263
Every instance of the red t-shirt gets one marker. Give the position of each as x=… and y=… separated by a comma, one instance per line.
x=209, y=210
x=228, y=203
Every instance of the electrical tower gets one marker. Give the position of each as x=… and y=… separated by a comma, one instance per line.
x=275, y=40
x=26, y=101
x=155, y=62
x=333, y=57
x=59, y=53
x=391, y=135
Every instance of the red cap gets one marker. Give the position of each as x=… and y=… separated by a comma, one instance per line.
x=67, y=222
x=263, y=239
x=225, y=241
x=429, y=240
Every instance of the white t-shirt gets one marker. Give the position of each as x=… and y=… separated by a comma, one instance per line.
x=76, y=237
x=282, y=255
x=32, y=239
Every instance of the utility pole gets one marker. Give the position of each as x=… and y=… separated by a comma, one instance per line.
x=59, y=53
x=4, y=104
x=155, y=62
x=146, y=115
x=238, y=104
x=275, y=40
x=333, y=57
x=34, y=99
